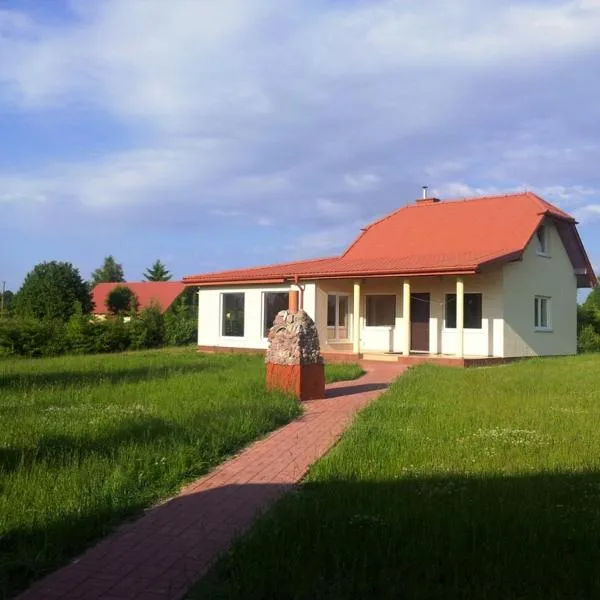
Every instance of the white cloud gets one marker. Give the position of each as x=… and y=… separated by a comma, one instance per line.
x=588, y=213
x=259, y=107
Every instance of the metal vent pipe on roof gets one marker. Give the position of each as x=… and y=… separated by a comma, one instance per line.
x=424, y=192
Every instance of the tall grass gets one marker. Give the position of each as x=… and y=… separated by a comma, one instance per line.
x=88, y=441
x=455, y=484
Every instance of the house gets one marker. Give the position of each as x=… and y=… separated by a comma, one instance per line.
x=161, y=293
x=494, y=276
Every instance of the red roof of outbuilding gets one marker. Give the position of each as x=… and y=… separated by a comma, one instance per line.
x=427, y=238
x=163, y=293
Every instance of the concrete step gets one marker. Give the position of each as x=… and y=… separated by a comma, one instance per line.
x=380, y=357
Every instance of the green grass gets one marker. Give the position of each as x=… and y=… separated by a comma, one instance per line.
x=87, y=441
x=455, y=484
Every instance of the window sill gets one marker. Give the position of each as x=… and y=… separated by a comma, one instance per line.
x=465, y=330
x=333, y=342
x=388, y=327
x=543, y=330
x=232, y=337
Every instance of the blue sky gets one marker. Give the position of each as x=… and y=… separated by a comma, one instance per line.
x=218, y=134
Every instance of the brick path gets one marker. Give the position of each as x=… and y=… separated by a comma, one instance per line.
x=162, y=554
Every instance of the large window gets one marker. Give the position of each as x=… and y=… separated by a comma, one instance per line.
x=232, y=309
x=541, y=313
x=473, y=311
x=381, y=310
x=337, y=317
x=273, y=302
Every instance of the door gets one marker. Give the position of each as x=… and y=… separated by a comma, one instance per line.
x=419, y=322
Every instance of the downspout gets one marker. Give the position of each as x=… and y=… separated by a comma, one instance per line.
x=301, y=288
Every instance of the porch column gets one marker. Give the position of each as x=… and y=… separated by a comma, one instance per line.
x=356, y=319
x=406, y=317
x=460, y=317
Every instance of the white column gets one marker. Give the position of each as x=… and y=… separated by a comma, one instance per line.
x=460, y=317
x=356, y=319
x=406, y=317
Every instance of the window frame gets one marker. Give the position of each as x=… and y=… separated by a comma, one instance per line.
x=265, y=334
x=465, y=328
x=543, y=247
x=365, y=312
x=222, y=315
x=336, y=326
x=537, y=312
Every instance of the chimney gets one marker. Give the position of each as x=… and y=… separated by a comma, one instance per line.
x=425, y=199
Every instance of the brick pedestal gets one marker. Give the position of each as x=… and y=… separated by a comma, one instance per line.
x=306, y=382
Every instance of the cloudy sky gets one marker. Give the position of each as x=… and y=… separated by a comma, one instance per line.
x=224, y=133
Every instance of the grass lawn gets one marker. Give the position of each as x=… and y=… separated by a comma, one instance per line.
x=88, y=441
x=455, y=484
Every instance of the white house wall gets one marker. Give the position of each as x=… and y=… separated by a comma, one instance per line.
x=487, y=341
x=210, y=315
x=551, y=276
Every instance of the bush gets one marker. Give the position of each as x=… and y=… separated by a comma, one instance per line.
x=147, y=329
x=180, y=329
x=31, y=338
x=588, y=340
x=112, y=335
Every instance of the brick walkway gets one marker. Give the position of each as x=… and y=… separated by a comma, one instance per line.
x=162, y=554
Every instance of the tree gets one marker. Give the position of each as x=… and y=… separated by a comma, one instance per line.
x=121, y=301
x=110, y=272
x=51, y=291
x=157, y=272
x=593, y=299
x=6, y=300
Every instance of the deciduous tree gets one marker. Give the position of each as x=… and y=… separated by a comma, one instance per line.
x=121, y=301
x=110, y=271
x=51, y=291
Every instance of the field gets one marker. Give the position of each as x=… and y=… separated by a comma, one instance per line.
x=87, y=441
x=455, y=484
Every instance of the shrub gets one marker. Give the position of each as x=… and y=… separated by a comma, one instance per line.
x=147, y=329
x=180, y=329
x=588, y=340
x=32, y=337
x=112, y=335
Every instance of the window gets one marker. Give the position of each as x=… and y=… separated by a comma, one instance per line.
x=337, y=317
x=273, y=302
x=473, y=311
x=541, y=312
x=542, y=240
x=381, y=310
x=233, y=315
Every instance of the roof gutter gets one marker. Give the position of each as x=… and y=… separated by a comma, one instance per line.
x=336, y=275
x=215, y=282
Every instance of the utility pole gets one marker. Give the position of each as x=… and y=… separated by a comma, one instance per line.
x=2, y=300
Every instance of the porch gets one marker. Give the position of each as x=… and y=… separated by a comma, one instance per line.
x=445, y=319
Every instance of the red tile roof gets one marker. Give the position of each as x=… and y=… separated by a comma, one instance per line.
x=427, y=238
x=163, y=293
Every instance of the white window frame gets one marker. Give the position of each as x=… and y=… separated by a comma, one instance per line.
x=465, y=328
x=545, y=251
x=222, y=313
x=335, y=327
x=538, y=305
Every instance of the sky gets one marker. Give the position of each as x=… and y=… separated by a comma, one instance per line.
x=217, y=134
